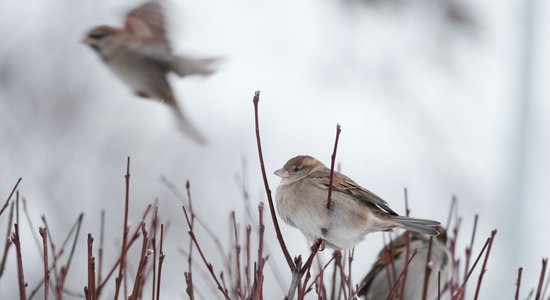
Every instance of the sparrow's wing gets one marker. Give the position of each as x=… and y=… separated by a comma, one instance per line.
x=147, y=22
x=342, y=183
x=184, y=66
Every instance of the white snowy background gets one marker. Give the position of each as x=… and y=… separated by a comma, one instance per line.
x=426, y=103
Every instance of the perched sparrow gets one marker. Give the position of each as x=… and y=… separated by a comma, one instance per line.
x=355, y=211
x=376, y=284
x=141, y=56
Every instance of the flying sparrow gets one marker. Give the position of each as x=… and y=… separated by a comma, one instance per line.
x=378, y=284
x=355, y=211
x=141, y=56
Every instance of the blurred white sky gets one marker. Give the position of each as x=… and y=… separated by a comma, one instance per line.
x=422, y=104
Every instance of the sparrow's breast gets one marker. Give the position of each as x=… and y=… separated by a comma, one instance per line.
x=304, y=208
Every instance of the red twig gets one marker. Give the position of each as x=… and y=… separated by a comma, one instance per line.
x=223, y=283
x=100, y=251
x=407, y=245
x=454, y=260
x=483, y=268
x=203, y=224
x=133, y=238
x=91, y=269
x=122, y=265
x=259, y=276
x=350, y=260
x=319, y=281
x=300, y=270
x=394, y=287
x=469, y=253
x=247, y=265
x=21, y=275
x=31, y=226
x=141, y=265
x=458, y=293
x=65, y=269
x=518, y=283
x=314, y=249
x=161, y=259
x=342, y=272
x=17, y=207
x=543, y=296
x=427, y=271
x=332, y=160
x=320, y=274
x=266, y=185
x=451, y=210
x=336, y=256
x=295, y=278
x=205, y=261
x=389, y=263
x=189, y=274
x=6, y=203
x=57, y=254
x=541, y=279
x=8, y=242
x=237, y=288
x=302, y=289
x=44, y=235
x=154, y=245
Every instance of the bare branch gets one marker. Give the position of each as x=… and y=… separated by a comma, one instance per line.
x=6, y=203
x=428, y=270
x=44, y=235
x=161, y=259
x=394, y=287
x=122, y=265
x=483, y=268
x=332, y=160
x=91, y=290
x=457, y=294
x=518, y=283
x=141, y=265
x=266, y=185
x=20, y=273
x=8, y=241
x=133, y=238
x=469, y=253
x=100, y=251
x=541, y=279
x=205, y=261
x=65, y=269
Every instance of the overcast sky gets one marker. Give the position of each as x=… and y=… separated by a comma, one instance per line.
x=424, y=102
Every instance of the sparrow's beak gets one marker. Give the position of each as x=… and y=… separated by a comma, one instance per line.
x=89, y=41
x=282, y=173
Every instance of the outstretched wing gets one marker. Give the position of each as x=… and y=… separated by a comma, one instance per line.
x=147, y=21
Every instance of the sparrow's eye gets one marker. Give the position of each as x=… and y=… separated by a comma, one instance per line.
x=296, y=169
x=96, y=35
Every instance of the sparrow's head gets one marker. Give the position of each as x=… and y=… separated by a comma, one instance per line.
x=298, y=167
x=101, y=38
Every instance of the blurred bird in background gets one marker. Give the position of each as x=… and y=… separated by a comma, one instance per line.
x=141, y=56
x=376, y=284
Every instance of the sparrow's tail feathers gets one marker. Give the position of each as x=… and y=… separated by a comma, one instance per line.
x=184, y=66
x=185, y=126
x=417, y=225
